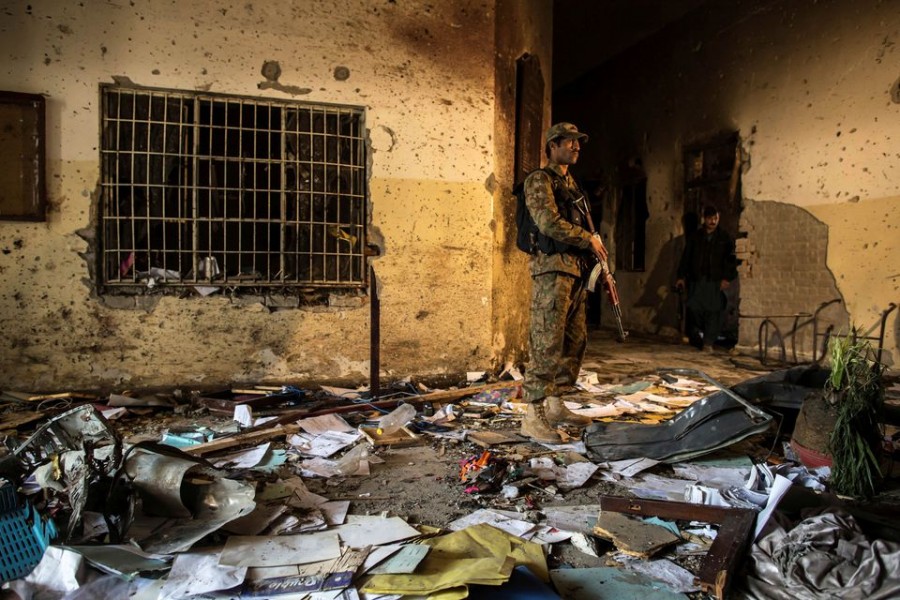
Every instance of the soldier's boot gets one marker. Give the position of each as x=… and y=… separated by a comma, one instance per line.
x=536, y=426
x=557, y=414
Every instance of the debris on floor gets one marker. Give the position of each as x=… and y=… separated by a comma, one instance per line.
x=280, y=492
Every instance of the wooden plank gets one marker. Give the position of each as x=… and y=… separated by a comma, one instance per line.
x=718, y=567
x=441, y=396
x=250, y=437
x=28, y=397
x=486, y=439
x=398, y=439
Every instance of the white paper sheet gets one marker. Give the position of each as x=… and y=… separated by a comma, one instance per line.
x=199, y=573
x=246, y=459
x=511, y=526
x=362, y=530
x=779, y=489
x=630, y=467
x=324, y=444
x=324, y=424
x=273, y=551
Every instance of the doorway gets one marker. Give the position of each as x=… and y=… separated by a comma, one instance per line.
x=712, y=177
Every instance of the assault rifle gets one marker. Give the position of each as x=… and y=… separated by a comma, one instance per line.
x=600, y=272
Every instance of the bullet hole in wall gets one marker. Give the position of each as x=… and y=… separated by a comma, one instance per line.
x=341, y=73
x=271, y=70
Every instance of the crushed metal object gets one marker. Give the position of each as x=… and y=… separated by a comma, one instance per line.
x=717, y=421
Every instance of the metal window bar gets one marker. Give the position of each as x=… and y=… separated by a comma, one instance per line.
x=230, y=192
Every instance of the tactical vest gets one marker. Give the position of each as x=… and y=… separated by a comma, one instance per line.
x=566, y=205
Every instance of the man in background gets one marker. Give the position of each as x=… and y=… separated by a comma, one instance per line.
x=707, y=268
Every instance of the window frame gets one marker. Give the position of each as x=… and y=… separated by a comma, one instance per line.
x=31, y=169
x=339, y=246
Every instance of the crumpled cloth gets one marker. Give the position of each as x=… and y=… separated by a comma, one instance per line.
x=823, y=556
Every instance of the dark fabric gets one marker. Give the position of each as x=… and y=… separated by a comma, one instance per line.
x=706, y=311
x=823, y=556
x=707, y=425
x=708, y=257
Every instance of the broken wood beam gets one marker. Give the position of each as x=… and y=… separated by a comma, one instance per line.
x=440, y=396
x=735, y=526
x=247, y=437
x=280, y=426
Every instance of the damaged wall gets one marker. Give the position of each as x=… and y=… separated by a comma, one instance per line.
x=810, y=87
x=424, y=72
x=522, y=28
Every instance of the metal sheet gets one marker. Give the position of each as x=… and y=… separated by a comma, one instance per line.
x=158, y=478
x=219, y=503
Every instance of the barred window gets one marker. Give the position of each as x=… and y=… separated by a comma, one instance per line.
x=209, y=191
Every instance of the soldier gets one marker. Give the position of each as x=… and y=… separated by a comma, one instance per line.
x=558, y=334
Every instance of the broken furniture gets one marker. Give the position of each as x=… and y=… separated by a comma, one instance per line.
x=24, y=534
x=714, y=422
x=719, y=566
x=80, y=465
x=882, y=325
x=768, y=322
x=820, y=338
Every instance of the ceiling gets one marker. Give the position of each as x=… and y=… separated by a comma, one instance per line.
x=587, y=33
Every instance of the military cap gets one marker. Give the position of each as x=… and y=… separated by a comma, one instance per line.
x=564, y=130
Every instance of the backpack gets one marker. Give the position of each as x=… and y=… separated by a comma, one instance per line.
x=528, y=238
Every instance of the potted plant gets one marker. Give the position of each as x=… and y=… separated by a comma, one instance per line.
x=855, y=389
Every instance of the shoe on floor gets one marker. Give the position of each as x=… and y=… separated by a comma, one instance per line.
x=536, y=426
x=557, y=413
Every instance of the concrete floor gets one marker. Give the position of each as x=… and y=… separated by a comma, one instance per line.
x=615, y=361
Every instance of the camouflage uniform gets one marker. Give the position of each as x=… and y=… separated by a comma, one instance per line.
x=558, y=334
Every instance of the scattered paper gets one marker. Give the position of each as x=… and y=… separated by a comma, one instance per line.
x=779, y=489
x=673, y=576
x=516, y=527
x=243, y=414
x=629, y=467
x=404, y=561
x=721, y=473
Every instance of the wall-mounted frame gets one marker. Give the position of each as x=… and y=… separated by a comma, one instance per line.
x=23, y=193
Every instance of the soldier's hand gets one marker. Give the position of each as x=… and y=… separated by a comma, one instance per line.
x=598, y=248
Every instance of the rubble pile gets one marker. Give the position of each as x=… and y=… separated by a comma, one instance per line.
x=682, y=487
